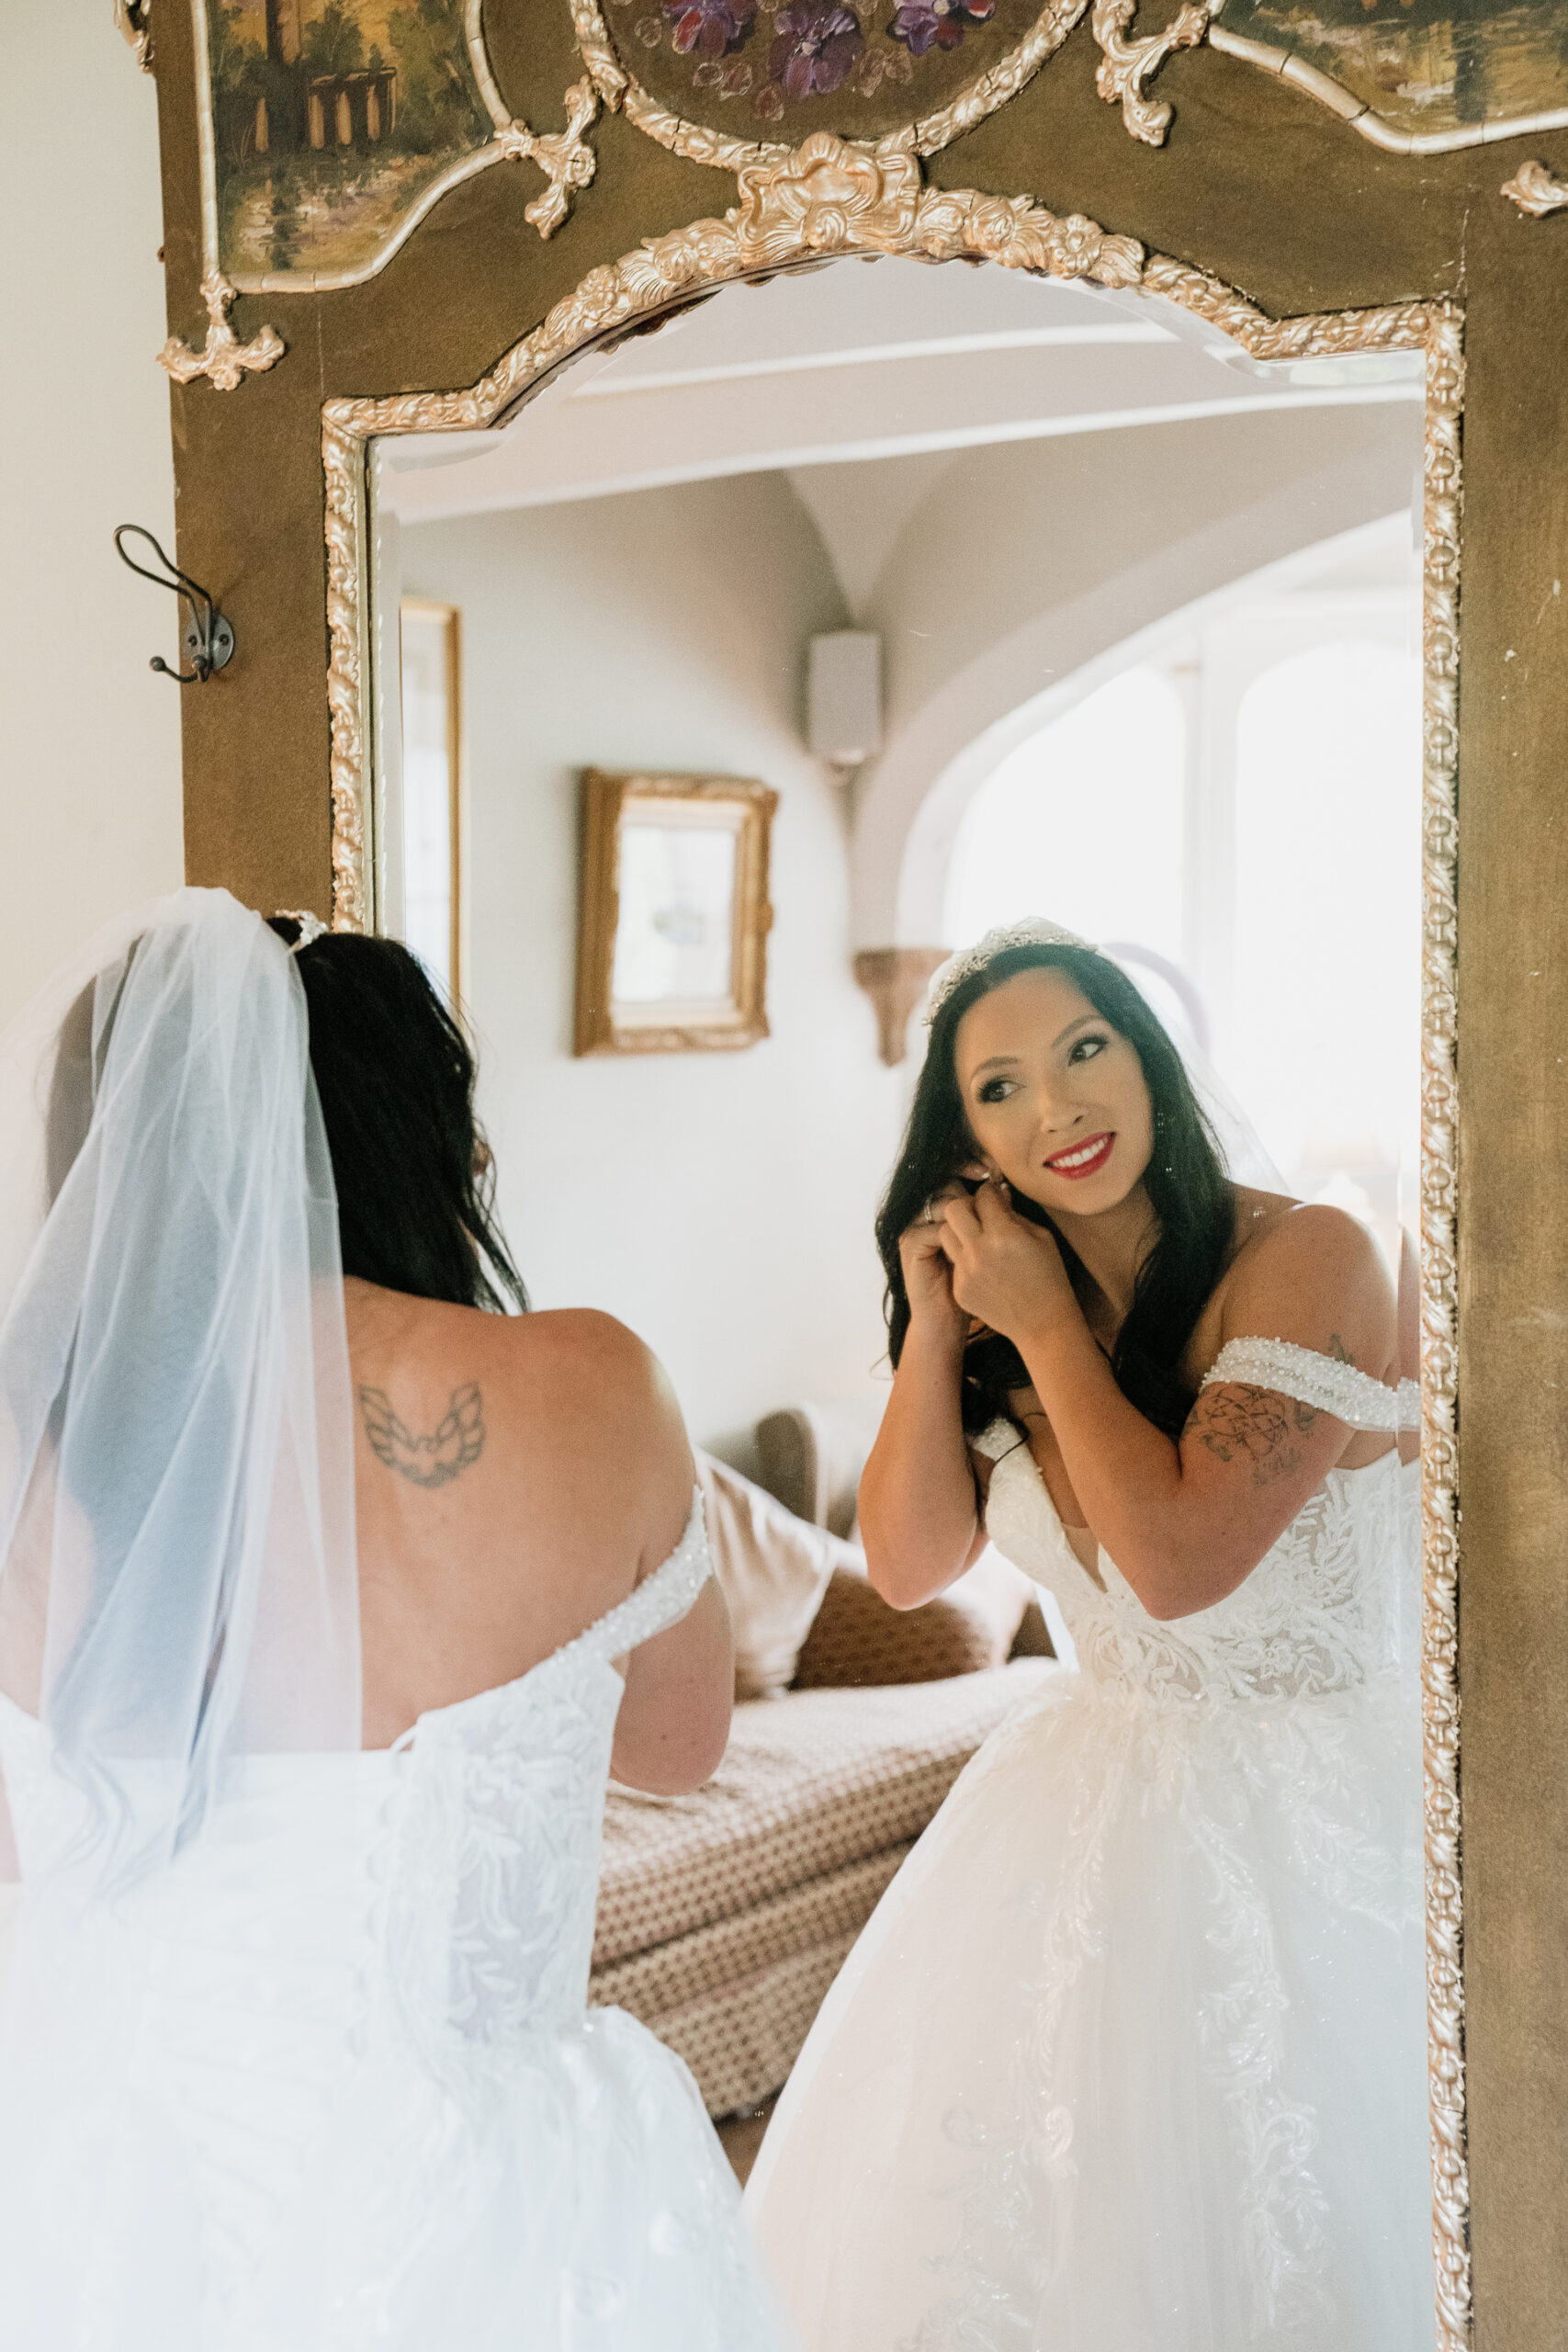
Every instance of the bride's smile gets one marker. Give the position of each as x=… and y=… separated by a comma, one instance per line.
x=1083, y=1160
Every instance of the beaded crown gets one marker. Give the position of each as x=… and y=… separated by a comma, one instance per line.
x=1033, y=930
x=310, y=926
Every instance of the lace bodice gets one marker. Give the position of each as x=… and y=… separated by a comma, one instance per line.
x=445, y=1886
x=490, y=1856
x=1328, y=1608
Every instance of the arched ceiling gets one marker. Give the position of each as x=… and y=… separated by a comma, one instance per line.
x=1009, y=476
x=862, y=380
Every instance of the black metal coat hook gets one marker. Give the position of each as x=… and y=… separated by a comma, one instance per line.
x=208, y=639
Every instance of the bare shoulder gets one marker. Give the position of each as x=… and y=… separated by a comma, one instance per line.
x=573, y=1349
x=1311, y=1237
x=575, y=1334
x=1314, y=1274
x=562, y=1377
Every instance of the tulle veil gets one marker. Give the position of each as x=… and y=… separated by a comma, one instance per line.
x=177, y=1571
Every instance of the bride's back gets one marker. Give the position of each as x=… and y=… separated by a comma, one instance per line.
x=516, y=1476
x=296, y=2048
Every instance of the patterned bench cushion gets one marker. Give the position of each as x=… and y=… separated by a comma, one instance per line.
x=810, y=1782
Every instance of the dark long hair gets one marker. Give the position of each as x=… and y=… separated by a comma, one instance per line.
x=415, y=1183
x=1189, y=1190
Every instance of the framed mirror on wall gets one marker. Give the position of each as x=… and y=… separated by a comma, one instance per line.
x=673, y=913
x=1150, y=609
x=1170, y=655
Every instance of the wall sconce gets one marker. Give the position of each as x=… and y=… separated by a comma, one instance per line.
x=843, y=697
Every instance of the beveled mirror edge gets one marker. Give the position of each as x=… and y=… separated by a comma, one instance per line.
x=783, y=221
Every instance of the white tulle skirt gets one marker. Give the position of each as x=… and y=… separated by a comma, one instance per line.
x=1130, y=2057
x=234, y=2178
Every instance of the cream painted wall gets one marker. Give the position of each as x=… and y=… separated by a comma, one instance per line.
x=89, y=738
x=721, y=1204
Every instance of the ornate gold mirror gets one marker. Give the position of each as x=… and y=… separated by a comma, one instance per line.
x=1154, y=511
x=1110, y=502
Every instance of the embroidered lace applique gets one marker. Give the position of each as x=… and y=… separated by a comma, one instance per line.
x=1278, y=1682
x=493, y=1863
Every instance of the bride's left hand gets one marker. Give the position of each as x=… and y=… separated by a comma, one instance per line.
x=1007, y=1273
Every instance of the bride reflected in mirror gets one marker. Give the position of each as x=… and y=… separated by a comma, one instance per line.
x=1131, y=2056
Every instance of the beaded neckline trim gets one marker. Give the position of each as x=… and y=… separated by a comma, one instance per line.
x=1311, y=1378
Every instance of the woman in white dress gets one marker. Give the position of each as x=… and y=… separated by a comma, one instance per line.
x=295, y=2052
x=1130, y=2057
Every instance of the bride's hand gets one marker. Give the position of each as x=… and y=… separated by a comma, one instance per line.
x=928, y=1276
x=1005, y=1272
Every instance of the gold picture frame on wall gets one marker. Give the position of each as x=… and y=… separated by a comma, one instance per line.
x=674, y=913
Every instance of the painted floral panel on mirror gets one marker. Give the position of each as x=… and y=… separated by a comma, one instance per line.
x=859, y=67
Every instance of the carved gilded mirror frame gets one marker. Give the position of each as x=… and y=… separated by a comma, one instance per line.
x=828, y=199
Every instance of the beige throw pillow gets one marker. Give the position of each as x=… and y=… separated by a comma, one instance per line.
x=857, y=1637
x=772, y=1569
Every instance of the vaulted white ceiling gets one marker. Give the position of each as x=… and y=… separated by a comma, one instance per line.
x=861, y=381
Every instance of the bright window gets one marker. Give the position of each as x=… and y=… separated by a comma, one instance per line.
x=1083, y=823
x=1325, y=1034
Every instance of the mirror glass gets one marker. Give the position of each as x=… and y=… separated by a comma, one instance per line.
x=1013, y=598
x=1144, y=625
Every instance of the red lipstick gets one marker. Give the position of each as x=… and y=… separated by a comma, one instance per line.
x=1085, y=1158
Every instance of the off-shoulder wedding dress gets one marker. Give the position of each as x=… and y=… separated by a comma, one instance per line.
x=1131, y=2058
x=296, y=2055
x=328, y=2081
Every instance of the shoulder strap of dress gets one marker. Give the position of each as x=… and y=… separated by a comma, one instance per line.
x=1352, y=1396
x=660, y=1600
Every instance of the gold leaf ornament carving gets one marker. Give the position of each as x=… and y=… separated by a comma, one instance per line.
x=344, y=464
x=1440, y=1321
x=827, y=197
x=1126, y=65
x=131, y=22
x=832, y=197
x=1534, y=190
x=223, y=357
x=564, y=156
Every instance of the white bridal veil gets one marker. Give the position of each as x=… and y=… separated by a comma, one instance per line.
x=178, y=1574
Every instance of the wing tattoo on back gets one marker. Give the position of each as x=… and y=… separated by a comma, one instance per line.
x=432, y=1460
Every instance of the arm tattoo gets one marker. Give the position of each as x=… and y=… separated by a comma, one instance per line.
x=459, y=1439
x=1254, y=1425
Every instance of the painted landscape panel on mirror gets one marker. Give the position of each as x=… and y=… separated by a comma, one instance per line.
x=1427, y=66
x=331, y=122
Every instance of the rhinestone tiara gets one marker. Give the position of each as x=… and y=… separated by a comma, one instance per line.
x=310, y=926
x=1034, y=931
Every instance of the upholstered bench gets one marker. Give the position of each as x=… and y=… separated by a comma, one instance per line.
x=725, y=1915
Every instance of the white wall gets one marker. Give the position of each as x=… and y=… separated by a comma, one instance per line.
x=721, y=1204
x=89, y=738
